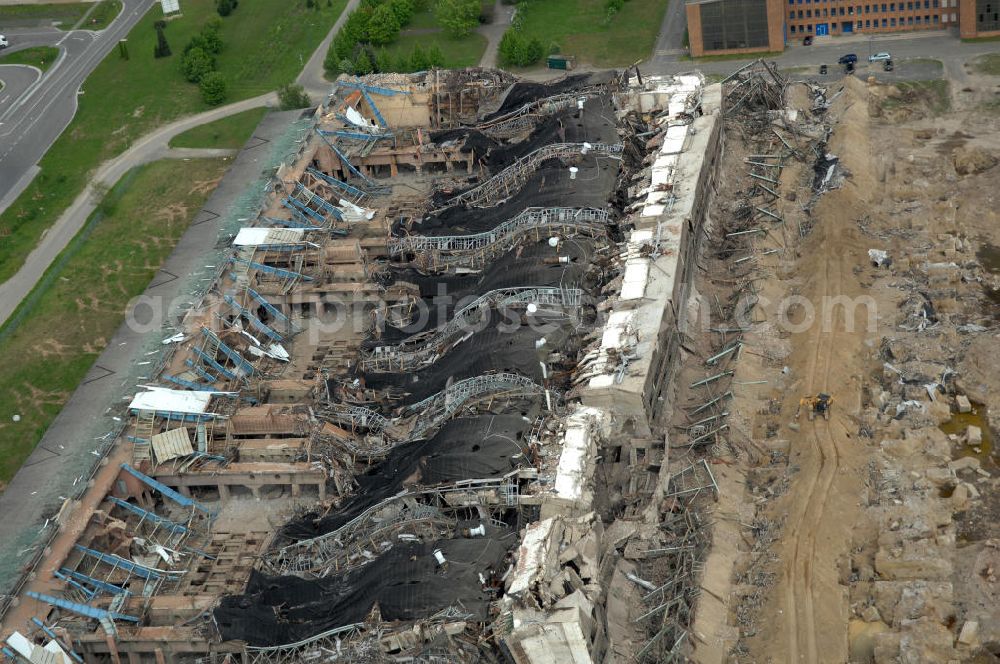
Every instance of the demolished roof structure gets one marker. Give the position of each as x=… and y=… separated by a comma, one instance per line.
x=447, y=338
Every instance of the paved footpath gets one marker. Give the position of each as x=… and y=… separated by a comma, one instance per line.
x=66, y=450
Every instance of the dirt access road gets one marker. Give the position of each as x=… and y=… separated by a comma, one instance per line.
x=828, y=355
x=871, y=537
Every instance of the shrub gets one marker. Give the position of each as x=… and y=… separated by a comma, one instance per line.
x=224, y=7
x=196, y=64
x=383, y=27
x=293, y=96
x=458, y=17
x=213, y=88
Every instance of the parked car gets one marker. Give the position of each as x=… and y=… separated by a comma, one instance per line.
x=887, y=65
x=879, y=56
x=3, y=42
x=807, y=40
x=822, y=69
x=850, y=58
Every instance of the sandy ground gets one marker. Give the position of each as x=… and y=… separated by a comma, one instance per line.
x=847, y=543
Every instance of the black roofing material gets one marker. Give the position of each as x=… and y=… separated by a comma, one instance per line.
x=473, y=140
x=529, y=265
x=550, y=186
x=405, y=581
x=524, y=92
x=494, y=348
x=470, y=447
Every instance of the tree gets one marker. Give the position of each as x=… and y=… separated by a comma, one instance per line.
x=363, y=64
x=213, y=88
x=383, y=61
x=403, y=9
x=196, y=64
x=418, y=59
x=517, y=50
x=383, y=26
x=458, y=17
x=162, y=49
x=435, y=56
x=293, y=96
x=224, y=7
x=354, y=31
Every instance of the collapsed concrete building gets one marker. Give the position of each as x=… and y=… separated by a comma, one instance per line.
x=448, y=339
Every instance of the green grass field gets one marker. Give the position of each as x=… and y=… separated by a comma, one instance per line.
x=67, y=14
x=104, y=13
x=424, y=20
x=464, y=52
x=227, y=133
x=37, y=56
x=987, y=64
x=578, y=27
x=44, y=357
x=266, y=43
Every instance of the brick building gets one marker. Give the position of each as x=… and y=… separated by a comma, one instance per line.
x=747, y=26
x=735, y=26
x=979, y=18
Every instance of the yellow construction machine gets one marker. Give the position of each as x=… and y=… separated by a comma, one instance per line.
x=821, y=403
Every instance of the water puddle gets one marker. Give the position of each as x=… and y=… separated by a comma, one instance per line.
x=959, y=424
x=989, y=256
x=861, y=639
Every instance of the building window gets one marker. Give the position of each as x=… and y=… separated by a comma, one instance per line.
x=944, y=18
x=809, y=13
x=800, y=13
x=791, y=15
x=730, y=24
x=892, y=22
x=892, y=6
x=859, y=25
x=868, y=9
x=917, y=20
x=883, y=8
x=934, y=4
x=793, y=29
x=909, y=20
x=885, y=22
x=868, y=23
x=954, y=17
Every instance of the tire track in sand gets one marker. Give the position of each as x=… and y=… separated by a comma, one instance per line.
x=800, y=587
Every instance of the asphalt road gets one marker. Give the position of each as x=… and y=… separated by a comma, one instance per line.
x=30, y=123
x=938, y=45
